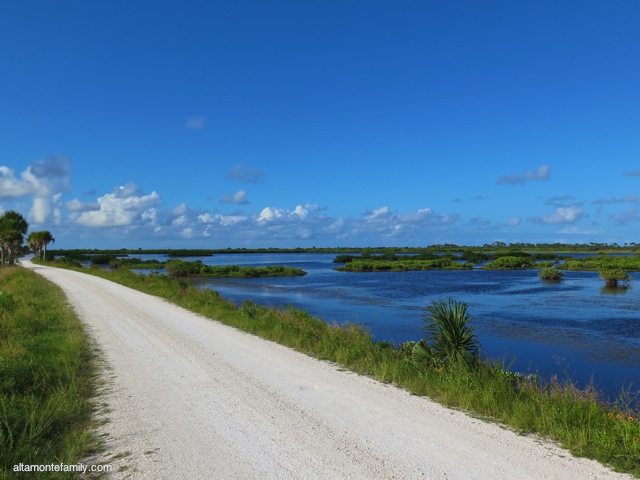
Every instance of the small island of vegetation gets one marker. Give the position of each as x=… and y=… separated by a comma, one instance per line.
x=182, y=268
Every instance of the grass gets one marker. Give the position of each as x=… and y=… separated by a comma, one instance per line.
x=577, y=419
x=46, y=377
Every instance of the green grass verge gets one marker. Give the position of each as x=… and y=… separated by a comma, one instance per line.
x=46, y=377
x=557, y=410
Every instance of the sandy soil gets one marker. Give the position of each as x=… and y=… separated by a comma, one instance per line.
x=189, y=398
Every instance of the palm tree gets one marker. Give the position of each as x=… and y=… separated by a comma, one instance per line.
x=38, y=241
x=45, y=239
x=451, y=341
x=13, y=227
x=34, y=242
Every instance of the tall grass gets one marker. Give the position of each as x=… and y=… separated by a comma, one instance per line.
x=558, y=410
x=46, y=377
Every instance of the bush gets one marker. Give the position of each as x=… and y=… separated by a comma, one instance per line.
x=550, y=273
x=612, y=277
x=510, y=263
x=451, y=341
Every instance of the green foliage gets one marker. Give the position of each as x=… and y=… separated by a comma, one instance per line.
x=402, y=265
x=510, y=262
x=344, y=258
x=13, y=228
x=38, y=242
x=7, y=303
x=603, y=262
x=46, y=368
x=544, y=265
x=613, y=277
x=550, y=273
x=450, y=338
x=183, y=268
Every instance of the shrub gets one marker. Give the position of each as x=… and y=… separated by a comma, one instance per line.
x=612, y=277
x=550, y=273
x=451, y=341
x=510, y=263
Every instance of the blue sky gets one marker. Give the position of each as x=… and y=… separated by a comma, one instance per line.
x=321, y=123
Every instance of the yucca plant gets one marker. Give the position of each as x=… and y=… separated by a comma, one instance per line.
x=450, y=339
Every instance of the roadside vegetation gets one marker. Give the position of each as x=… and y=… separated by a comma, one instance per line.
x=578, y=419
x=46, y=377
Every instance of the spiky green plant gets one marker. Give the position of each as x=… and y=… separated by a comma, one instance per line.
x=450, y=339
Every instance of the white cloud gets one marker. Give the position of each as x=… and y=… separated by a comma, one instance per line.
x=76, y=205
x=300, y=212
x=187, y=233
x=542, y=173
x=513, y=222
x=180, y=209
x=240, y=198
x=224, y=220
x=269, y=214
x=181, y=220
x=42, y=208
x=562, y=215
x=384, y=222
x=42, y=178
x=121, y=208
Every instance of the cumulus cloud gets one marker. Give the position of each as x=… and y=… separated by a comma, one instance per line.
x=240, y=173
x=223, y=220
x=181, y=209
x=542, y=173
x=43, y=178
x=513, y=222
x=123, y=207
x=385, y=222
x=562, y=215
x=269, y=213
x=239, y=198
x=76, y=205
x=300, y=212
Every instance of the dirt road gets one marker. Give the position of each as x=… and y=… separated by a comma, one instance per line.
x=189, y=398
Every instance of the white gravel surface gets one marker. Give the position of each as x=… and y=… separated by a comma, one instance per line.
x=189, y=398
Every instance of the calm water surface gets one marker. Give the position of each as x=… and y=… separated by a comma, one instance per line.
x=574, y=328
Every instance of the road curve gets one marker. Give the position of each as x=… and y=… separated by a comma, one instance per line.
x=189, y=398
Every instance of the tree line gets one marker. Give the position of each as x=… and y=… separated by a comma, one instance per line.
x=13, y=228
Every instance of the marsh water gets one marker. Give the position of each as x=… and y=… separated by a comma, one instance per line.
x=574, y=328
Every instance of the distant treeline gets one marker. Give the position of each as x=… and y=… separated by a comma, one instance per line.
x=495, y=247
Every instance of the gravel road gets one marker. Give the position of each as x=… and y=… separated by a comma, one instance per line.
x=189, y=398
